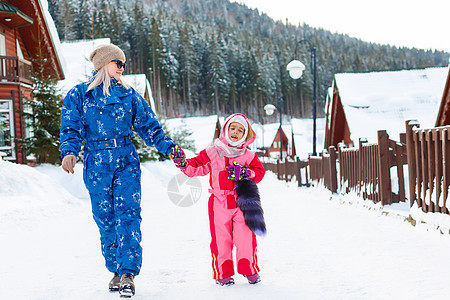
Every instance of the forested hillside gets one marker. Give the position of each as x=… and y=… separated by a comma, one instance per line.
x=214, y=56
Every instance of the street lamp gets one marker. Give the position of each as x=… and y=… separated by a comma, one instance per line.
x=270, y=109
x=296, y=69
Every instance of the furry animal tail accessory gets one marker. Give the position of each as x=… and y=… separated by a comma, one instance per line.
x=249, y=202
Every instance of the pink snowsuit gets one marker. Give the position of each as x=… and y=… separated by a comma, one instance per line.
x=226, y=220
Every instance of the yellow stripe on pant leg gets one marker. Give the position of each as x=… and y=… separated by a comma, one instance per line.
x=215, y=271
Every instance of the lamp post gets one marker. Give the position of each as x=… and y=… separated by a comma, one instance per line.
x=269, y=109
x=296, y=69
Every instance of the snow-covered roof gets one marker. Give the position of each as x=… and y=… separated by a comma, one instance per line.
x=138, y=81
x=385, y=100
x=141, y=84
x=78, y=68
x=266, y=134
x=53, y=34
x=303, y=136
x=203, y=127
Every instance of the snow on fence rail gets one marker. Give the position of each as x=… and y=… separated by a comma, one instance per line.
x=429, y=166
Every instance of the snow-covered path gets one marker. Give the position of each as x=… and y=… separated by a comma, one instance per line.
x=316, y=247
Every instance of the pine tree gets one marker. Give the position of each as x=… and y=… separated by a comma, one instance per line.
x=45, y=120
x=217, y=74
x=188, y=68
x=63, y=13
x=176, y=50
x=180, y=135
x=83, y=18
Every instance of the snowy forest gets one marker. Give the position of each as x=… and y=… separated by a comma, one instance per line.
x=216, y=57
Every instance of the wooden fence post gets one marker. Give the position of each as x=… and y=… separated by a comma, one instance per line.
x=341, y=167
x=308, y=166
x=424, y=164
x=361, y=169
x=286, y=169
x=333, y=171
x=278, y=169
x=445, y=168
x=418, y=162
x=384, y=167
x=400, y=175
x=298, y=171
x=430, y=167
x=438, y=167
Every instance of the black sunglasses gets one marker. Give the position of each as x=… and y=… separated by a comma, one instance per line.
x=119, y=63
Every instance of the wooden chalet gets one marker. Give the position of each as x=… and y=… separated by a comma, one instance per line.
x=443, y=117
x=336, y=128
x=26, y=29
x=217, y=129
x=360, y=104
x=141, y=84
x=296, y=136
x=274, y=149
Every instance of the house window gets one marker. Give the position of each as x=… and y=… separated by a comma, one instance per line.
x=2, y=45
x=19, y=50
x=7, y=130
x=3, y=53
x=28, y=112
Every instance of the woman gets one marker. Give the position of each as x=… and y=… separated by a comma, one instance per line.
x=101, y=113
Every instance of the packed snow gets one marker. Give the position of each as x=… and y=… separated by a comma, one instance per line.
x=318, y=246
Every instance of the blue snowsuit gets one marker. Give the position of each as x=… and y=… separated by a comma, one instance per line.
x=112, y=172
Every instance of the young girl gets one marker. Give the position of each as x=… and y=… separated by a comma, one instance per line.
x=227, y=162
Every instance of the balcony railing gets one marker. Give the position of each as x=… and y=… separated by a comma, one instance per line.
x=13, y=68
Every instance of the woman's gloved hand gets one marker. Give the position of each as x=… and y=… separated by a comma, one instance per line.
x=237, y=172
x=178, y=157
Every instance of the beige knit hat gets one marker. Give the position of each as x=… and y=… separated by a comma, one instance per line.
x=104, y=54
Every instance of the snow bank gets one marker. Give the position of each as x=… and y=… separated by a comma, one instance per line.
x=26, y=192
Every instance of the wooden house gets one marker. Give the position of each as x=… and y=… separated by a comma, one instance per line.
x=278, y=142
x=337, y=130
x=141, y=84
x=267, y=143
x=297, y=138
x=360, y=104
x=443, y=117
x=26, y=29
x=217, y=129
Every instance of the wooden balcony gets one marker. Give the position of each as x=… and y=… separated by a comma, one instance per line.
x=13, y=68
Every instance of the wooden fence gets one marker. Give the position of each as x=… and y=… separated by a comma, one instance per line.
x=286, y=170
x=367, y=170
x=323, y=168
x=429, y=166
x=13, y=68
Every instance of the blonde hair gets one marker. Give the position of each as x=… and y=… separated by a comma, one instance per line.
x=102, y=76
